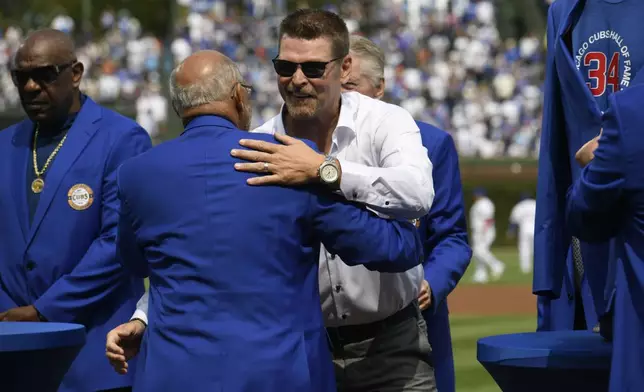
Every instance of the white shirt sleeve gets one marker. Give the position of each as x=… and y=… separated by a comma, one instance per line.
x=141, y=312
x=402, y=186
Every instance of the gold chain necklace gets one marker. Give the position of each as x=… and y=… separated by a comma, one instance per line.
x=38, y=184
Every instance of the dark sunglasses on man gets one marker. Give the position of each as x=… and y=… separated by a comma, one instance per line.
x=310, y=69
x=46, y=74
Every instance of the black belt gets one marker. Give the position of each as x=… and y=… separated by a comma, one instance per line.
x=358, y=333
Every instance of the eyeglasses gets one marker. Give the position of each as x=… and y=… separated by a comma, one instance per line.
x=310, y=69
x=47, y=74
x=248, y=87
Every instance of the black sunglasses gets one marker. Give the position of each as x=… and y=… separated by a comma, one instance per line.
x=310, y=69
x=47, y=74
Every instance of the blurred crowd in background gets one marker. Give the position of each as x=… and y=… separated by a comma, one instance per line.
x=446, y=64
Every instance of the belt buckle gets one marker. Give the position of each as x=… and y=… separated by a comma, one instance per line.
x=335, y=340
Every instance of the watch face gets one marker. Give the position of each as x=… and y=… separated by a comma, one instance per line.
x=329, y=173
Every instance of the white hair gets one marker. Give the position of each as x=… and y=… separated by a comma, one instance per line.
x=216, y=87
x=373, y=58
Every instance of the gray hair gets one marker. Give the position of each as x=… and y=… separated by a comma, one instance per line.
x=373, y=66
x=215, y=87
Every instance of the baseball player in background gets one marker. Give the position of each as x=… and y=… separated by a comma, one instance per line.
x=483, y=235
x=522, y=218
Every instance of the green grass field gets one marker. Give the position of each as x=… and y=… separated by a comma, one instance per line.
x=466, y=330
x=470, y=375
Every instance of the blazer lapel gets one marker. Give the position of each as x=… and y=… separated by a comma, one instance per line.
x=79, y=135
x=19, y=157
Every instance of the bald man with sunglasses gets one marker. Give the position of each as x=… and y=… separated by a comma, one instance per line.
x=59, y=207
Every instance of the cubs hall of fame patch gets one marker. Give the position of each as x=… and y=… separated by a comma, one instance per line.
x=80, y=197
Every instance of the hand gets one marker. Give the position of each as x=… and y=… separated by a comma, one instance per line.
x=289, y=163
x=425, y=296
x=23, y=313
x=123, y=343
x=587, y=152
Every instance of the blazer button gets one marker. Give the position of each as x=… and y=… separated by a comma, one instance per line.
x=30, y=265
x=344, y=316
x=570, y=297
x=338, y=288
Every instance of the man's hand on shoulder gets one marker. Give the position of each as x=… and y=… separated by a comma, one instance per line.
x=123, y=343
x=289, y=163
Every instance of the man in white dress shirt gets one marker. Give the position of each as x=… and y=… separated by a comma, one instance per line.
x=483, y=236
x=522, y=219
x=372, y=154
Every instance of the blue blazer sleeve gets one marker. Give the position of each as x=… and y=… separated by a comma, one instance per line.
x=98, y=274
x=594, y=203
x=551, y=239
x=360, y=237
x=6, y=302
x=448, y=253
x=128, y=251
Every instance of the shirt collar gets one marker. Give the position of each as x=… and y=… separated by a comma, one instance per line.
x=345, y=130
x=209, y=120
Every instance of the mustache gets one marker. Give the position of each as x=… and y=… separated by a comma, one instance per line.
x=293, y=90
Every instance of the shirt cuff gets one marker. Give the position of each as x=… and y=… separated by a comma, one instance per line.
x=139, y=314
x=351, y=183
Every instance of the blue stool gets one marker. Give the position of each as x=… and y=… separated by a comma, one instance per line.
x=561, y=361
x=36, y=356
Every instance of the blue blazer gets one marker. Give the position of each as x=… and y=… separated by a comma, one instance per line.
x=571, y=117
x=447, y=252
x=234, y=301
x=608, y=201
x=64, y=263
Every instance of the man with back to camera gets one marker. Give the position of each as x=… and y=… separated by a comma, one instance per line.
x=234, y=301
x=443, y=230
x=59, y=208
x=377, y=151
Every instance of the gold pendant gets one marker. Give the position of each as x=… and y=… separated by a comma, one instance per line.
x=37, y=185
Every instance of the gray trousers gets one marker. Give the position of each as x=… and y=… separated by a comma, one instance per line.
x=396, y=359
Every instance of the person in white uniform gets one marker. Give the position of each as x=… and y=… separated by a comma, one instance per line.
x=522, y=218
x=483, y=236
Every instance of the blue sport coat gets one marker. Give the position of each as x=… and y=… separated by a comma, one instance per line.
x=607, y=201
x=234, y=301
x=64, y=263
x=571, y=117
x=447, y=251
